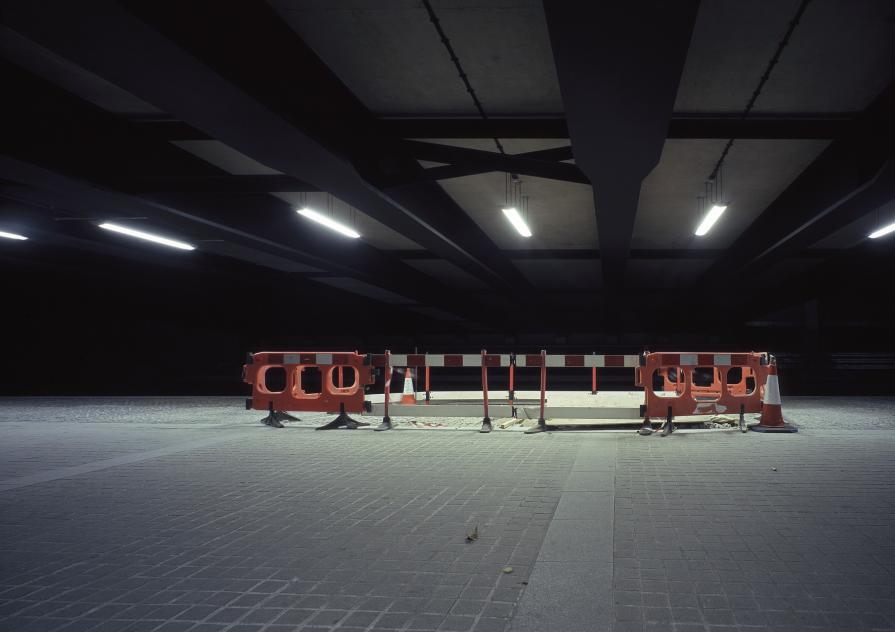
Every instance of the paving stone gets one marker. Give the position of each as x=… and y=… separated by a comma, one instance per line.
x=120, y=516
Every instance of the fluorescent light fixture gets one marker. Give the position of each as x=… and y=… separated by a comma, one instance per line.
x=328, y=222
x=139, y=234
x=885, y=230
x=710, y=218
x=517, y=221
x=6, y=235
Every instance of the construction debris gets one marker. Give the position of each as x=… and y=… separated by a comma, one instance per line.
x=473, y=535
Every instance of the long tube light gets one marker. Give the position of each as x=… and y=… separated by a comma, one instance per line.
x=710, y=218
x=6, y=235
x=328, y=222
x=139, y=234
x=516, y=220
x=885, y=230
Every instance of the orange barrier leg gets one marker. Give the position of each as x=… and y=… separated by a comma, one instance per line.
x=386, y=420
x=542, y=422
x=486, y=421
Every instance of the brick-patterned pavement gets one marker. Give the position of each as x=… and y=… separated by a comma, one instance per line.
x=165, y=524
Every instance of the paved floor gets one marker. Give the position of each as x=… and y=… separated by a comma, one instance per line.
x=187, y=515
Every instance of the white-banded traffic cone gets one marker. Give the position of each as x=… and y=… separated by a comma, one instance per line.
x=771, y=419
x=408, y=395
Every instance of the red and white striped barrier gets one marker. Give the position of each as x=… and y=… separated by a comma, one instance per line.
x=504, y=360
x=441, y=360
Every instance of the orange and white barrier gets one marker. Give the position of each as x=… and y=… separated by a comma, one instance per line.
x=675, y=384
x=681, y=396
x=318, y=381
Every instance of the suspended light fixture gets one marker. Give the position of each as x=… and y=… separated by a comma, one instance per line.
x=516, y=220
x=515, y=199
x=16, y=236
x=331, y=224
x=139, y=234
x=710, y=218
x=712, y=202
x=881, y=232
x=326, y=220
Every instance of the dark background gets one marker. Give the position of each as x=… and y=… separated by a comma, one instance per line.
x=113, y=327
x=208, y=121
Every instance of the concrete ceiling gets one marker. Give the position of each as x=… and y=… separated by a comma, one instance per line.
x=388, y=55
x=396, y=64
x=849, y=44
x=755, y=173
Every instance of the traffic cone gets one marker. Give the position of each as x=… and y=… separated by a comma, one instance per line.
x=408, y=396
x=771, y=419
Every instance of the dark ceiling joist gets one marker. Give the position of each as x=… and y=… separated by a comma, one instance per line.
x=218, y=184
x=853, y=176
x=95, y=185
x=463, y=162
x=654, y=254
x=784, y=126
x=795, y=126
x=171, y=53
x=618, y=96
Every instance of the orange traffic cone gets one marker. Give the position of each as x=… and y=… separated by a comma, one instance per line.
x=408, y=396
x=771, y=419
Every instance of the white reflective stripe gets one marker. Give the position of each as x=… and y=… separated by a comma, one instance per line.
x=291, y=358
x=408, y=384
x=556, y=360
x=593, y=360
x=434, y=360
x=772, y=391
x=399, y=359
x=688, y=359
x=470, y=359
x=504, y=359
x=520, y=360
x=722, y=359
x=324, y=358
x=632, y=360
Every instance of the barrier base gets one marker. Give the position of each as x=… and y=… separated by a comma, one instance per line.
x=276, y=418
x=784, y=428
x=343, y=421
x=385, y=425
x=646, y=429
x=541, y=427
x=486, y=425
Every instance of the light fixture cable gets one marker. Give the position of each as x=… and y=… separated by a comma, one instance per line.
x=463, y=76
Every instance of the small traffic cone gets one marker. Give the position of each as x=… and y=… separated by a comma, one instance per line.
x=771, y=419
x=408, y=396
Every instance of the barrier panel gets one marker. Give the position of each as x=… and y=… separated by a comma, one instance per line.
x=307, y=381
x=682, y=396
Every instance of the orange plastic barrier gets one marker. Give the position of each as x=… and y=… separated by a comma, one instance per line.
x=682, y=396
x=315, y=381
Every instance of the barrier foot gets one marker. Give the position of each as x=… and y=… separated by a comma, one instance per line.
x=486, y=425
x=541, y=427
x=385, y=425
x=275, y=418
x=668, y=426
x=343, y=421
x=784, y=428
x=646, y=429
